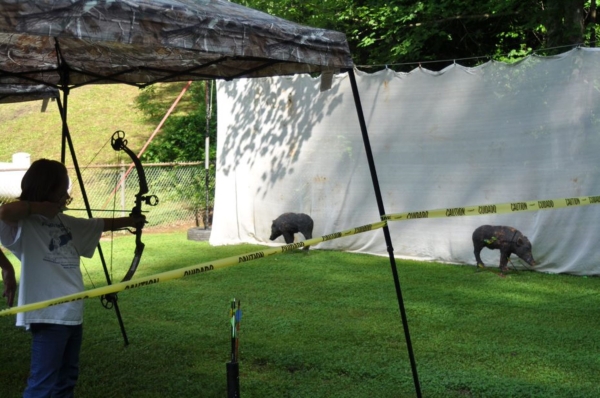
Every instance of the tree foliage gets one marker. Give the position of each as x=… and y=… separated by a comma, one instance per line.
x=389, y=32
x=182, y=137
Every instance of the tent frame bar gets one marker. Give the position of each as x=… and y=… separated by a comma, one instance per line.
x=386, y=230
x=111, y=302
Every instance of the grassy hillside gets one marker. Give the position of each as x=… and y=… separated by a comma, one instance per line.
x=94, y=114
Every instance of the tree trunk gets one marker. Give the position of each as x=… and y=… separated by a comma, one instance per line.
x=593, y=8
x=565, y=22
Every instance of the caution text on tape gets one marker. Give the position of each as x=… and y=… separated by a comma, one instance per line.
x=502, y=208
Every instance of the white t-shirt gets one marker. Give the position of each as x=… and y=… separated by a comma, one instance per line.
x=49, y=251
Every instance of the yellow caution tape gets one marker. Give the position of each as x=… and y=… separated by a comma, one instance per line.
x=476, y=210
x=186, y=271
x=503, y=208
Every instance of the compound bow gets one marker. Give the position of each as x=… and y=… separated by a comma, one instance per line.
x=119, y=143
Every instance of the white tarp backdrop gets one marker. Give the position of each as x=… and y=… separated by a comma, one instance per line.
x=492, y=134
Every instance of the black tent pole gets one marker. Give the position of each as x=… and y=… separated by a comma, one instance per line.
x=386, y=231
x=208, y=105
x=63, y=70
x=66, y=138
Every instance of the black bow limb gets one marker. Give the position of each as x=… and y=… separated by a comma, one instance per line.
x=119, y=143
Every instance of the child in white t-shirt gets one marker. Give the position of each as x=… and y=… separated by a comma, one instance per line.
x=49, y=245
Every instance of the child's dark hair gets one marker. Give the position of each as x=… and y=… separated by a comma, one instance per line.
x=42, y=179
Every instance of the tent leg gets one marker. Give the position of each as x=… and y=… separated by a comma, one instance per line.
x=66, y=139
x=386, y=231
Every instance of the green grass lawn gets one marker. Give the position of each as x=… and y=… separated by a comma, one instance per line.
x=327, y=324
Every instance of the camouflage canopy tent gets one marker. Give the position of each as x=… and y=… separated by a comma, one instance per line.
x=65, y=44
x=73, y=43
x=25, y=92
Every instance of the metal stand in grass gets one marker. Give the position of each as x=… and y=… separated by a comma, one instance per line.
x=233, y=367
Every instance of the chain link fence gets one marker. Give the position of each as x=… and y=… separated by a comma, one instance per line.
x=185, y=193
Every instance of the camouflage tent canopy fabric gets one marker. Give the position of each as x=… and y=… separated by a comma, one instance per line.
x=26, y=92
x=144, y=42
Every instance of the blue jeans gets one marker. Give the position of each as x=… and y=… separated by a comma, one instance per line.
x=54, y=360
